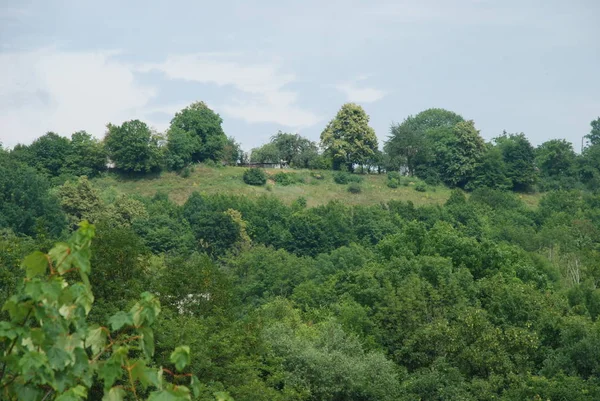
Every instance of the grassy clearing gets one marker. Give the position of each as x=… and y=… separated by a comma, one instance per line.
x=210, y=180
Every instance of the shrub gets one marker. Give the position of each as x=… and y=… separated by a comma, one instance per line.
x=255, y=176
x=394, y=175
x=287, y=178
x=186, y=172
x=421, y=187
x=341, y=177
x=354, y=188
x=393, y=183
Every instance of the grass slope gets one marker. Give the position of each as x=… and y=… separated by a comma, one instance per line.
x=210, y=180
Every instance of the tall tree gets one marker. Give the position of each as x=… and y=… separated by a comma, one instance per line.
x=203, y=126
x=132, y=147
x=594, y=135
x=519, y=157
x=555, y=158
x=458, y=150
x=87, y=155
x=408, y=144
x=47, y=154
x=293, y=148
x=348, y=139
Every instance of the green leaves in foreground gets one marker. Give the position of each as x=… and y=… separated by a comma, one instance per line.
x=50, y=352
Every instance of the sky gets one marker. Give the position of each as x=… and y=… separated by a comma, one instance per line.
x=529, y=66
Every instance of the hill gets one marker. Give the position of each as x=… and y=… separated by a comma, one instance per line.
x=316, y=191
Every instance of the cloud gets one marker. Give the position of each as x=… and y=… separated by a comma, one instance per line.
x=52, y=90
x=261, y=98
x=358, y=94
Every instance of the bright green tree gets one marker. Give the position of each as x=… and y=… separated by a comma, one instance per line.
x=519, y=157
x=348, y=139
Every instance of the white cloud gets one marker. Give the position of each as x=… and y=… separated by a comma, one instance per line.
x=52, y=90
x=262, y=94
x=355, y=93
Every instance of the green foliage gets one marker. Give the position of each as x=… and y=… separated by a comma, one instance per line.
x=132, y=147
x=50, y=350
x=255, y=176
x=421, y=187
x=354, y=188
x=594, y=135
x=26, y=204
x=457, y=151
x=491, y=172
x=342, y=177
x=409, y=144
x=519, y=158
x=198, y=135
x=285, y=179
x=348, y=139
x=268, y=153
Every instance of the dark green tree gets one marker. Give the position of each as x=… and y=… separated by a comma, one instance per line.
x=132, y=147
x=519, y=158
x=408, y=145
x=204, y=133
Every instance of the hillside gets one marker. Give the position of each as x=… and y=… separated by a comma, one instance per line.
x=211, y=180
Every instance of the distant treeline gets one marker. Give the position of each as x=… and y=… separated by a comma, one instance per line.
x=436, y=145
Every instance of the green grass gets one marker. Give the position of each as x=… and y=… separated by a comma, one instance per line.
x=211, y=180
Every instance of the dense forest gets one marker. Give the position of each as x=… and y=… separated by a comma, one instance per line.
x=112, y=297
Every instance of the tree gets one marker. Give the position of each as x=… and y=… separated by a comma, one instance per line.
x=267, y=153
x=457, y=151
x=87, y=156
x=491, y=171
x=180, y=149
x=233, y=152
x=519, y=157
x=594, y=135
x=555, y=158
x=408, y=144
x=26, y=204
x=205, y=134
x=48, y=154
x=132, y=147
x=348, y=139
x=294, y=149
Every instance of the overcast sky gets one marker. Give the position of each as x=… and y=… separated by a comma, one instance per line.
x=522, y=66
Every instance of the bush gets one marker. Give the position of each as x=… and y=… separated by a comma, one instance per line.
x=420, y=187
x=393, y=183
x=341, y=177
x=186, y=172
x=287, y=178
x=255, y=176
x=354, y=188
x=394, y=175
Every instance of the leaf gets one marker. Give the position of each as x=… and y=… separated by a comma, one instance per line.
x=197, y=386
x=178, y=394
x=96, y=339
x=35, y=264
x=114, y=394
x=76, y=393
x=58, y=358
x=7, y=331
x=119, y=320
x=60, y=256
x=222, y=396
x=181, y=357
x=147, y=341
